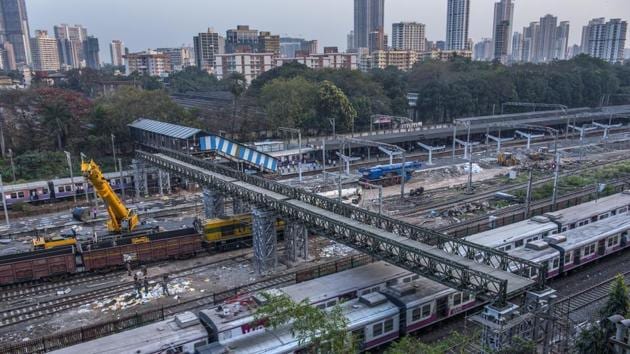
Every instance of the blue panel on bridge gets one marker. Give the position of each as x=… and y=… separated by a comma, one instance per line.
x=237, y=152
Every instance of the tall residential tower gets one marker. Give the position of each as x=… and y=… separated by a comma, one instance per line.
x=502, y=30
x=457, y=21
x=605, y=40
x=369, y=17
x=117, y=50
x=14, y=31
x=409, y=36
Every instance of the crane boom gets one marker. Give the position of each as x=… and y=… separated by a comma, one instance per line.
x=121, y=219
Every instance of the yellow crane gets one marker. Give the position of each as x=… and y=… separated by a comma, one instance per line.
x=121, y=219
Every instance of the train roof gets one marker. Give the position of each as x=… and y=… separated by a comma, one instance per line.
x=596, y=231
x=153, y=338
x=577, y=238
x=334, y=285
x=359, y=312
x=592, y=208
x=513, y=232
x=24, y=186
x=316, y=290
x=418, y=291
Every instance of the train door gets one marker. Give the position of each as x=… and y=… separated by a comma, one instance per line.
x=51, y=188
x=442, y=307
x=32, y=194
x=601, y=247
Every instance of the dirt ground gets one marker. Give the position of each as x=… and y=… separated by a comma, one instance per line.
x=224, y=275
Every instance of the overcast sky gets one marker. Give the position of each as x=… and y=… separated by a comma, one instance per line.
x=145, y=24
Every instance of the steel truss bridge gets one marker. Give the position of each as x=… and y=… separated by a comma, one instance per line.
x=490, y=274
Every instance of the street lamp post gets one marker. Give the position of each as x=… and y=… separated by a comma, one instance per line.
x=4, y=203
x=114, y=152
x=74, y=192
x=12, y=164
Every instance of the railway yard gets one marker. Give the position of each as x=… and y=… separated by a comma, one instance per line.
x=474, y=231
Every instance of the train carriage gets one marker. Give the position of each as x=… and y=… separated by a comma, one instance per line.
x=590, y=212
x=515, y=236
x=20, y=267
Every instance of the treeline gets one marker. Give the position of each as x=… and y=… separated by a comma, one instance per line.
x=42, y=122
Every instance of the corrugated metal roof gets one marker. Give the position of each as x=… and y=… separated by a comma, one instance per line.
x=167, y=129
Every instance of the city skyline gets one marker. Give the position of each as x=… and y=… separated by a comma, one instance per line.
x=296, y=19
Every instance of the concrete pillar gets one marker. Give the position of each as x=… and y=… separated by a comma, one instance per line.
x=265, y=241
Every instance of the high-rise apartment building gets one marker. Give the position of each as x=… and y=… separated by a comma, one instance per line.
x=179, y=58
x=207, y=46
x=457, y=21
x=7, y=60
x=15, y=31
x=44, y=51
x=547, y=37
x=377, y=41
x=242, y=39
x=71, y=40
x=268, y=43
x=530, y=37
x=605, y=40
x=350, y=42
x=502, y=35
x=369, y=16
x=517, y=48
x=149, y=63
x=92, y=52
x=409, y=36
x=484, y=50
x=117, y=50
x=562, y=41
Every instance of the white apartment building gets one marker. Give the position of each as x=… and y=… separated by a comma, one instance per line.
x=250, y=65
x=45, y=52
x=149, y=63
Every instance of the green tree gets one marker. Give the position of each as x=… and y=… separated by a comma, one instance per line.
x=455, y=342
x=290, y=103
x=595, y=338
x=193, y=79
x=324, y=330
x=333, y=103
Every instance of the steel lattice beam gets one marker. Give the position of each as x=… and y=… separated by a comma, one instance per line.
x=227, y=181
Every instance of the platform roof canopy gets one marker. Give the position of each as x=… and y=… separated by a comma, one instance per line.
x=166, y=129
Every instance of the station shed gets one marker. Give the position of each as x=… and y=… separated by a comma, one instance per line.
x=166, y=135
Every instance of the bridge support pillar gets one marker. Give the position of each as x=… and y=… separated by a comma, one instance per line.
x=213, y=204
x=164, y=180
x=265, y=241
x=140, y=179
x=239, y=206
x=296, y=241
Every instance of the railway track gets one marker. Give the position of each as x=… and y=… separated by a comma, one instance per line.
x=476, y=222
x=26, y=312
x=460, y=199
x=585, y=298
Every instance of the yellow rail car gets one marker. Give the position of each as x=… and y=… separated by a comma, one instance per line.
x=233, y=231
x=44, y=243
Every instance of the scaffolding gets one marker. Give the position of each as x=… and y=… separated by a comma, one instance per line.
x=265, y=241
x=296, y=241
x=213, y=204
x=140, y=180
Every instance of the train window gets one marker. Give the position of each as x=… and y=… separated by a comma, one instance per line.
x=604, y=216
x=519, y=243
x=567, y=257
x=457, y=299
x=415, y=277
x=60, y=189
x=13, y=196
x=321, y=306
x=20, y=194
x=588, y=250
x=392, y=282
x=377, y=329
x=68, y=188
x=556, y=263
x=389, y=325
x=416, y=315
x=426, y=310
x=44, y=190
x=613, y=213
x=613, y=241
x=331, y=303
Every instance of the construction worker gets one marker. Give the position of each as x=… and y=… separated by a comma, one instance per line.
x=146, y=286
x=138, y=287
x=144, y=270
x=128, y=264
x=165, y=285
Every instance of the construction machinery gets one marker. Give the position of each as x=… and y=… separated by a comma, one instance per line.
x=121, y=219
x=388, y=175
x=507, y=159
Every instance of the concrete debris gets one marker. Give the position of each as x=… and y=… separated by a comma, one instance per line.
x=129, y=299
x=335, y=250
